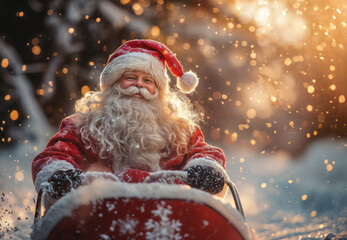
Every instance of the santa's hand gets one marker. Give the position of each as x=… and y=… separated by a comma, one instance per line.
x=205, y=178
x=61, y=182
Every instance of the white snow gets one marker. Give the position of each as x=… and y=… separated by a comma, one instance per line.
x=104, y=237
x=286, y=198
x=167, y=177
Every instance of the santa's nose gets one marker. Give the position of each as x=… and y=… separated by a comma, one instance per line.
x=139, y=83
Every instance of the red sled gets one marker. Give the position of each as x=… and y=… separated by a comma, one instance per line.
x=107, y=210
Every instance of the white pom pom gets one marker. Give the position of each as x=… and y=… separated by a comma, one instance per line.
x=188, y=82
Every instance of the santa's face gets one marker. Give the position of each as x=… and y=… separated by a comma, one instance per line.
x=138, y=79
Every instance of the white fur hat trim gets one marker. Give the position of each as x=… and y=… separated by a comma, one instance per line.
x=188, y=82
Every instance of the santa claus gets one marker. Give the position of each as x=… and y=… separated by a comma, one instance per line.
x=133, y=126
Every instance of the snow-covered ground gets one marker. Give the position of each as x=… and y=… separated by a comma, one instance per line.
x=282, y=198
x=302, y=198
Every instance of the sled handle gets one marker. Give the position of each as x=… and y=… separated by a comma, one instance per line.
x=38, y=206
x=236, y=197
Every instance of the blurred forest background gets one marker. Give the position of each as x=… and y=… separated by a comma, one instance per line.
x=272, y=82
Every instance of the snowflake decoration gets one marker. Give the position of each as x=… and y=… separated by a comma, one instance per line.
x=163, y=229
x=127, y=225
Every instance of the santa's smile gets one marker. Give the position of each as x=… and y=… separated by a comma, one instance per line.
x=137, y=95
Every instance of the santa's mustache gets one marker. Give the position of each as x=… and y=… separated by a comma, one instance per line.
x=144, y=92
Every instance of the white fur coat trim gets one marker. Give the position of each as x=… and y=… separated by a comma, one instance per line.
x=48, y=170
x=207, y=162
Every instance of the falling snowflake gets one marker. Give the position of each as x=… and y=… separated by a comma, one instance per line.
x=127, y=225
x=104, y=237
x=163, y=229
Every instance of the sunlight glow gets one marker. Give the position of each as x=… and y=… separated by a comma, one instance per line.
x=274, y=21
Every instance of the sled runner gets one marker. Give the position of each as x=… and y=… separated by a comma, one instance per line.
x=107, y=209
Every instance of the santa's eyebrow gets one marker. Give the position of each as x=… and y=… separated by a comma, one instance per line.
x=128, y=73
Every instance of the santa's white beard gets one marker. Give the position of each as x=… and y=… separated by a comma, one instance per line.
x=131, y=132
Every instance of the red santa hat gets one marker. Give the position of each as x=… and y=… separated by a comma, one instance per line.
x=149, y=56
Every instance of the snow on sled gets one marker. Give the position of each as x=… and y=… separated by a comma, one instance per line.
x=106, y=209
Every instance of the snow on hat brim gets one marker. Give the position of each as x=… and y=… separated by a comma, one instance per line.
x=130, y=62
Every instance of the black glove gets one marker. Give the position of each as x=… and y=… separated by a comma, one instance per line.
x=61, y=182
x=205, y=178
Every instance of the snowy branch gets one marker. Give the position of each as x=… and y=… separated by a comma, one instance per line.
x=49, y=78
x=63, y=39
x=117, y=17
x=35, y=67
x=22, y=84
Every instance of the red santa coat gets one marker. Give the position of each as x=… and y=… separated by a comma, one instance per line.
x=66, y=150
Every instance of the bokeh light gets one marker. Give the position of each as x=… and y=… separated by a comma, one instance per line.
x=272, y=84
